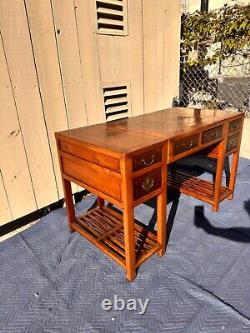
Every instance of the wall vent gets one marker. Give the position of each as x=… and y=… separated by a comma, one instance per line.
x=111, y=16
x=116, y=101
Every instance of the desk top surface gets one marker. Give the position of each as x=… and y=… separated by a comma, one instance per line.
x=131, y=134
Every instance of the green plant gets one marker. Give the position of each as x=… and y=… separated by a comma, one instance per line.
x=216, y=35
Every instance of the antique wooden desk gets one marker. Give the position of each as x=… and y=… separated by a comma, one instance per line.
x=125, y=162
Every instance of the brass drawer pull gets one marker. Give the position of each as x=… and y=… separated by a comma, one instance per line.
x=232, y=144
x=213, y=135
x=150, y=162
x=189, y=146
x=148, y=183
x=234, y=125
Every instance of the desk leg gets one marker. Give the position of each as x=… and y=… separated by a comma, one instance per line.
x=128, y=217
x=219, y=174
x=233, y=173
x=68, y=201
x=161, y=214
x=100, y=202
x=129, y=238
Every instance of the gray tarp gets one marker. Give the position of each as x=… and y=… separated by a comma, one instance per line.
x=54, y=281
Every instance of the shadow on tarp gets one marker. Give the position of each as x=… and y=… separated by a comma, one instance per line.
x=196, y=165
x=171, y=197
x=238, y=234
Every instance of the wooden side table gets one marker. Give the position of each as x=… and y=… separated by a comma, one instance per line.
x=217, y=133
x=217, y=141
x=125, y=169
x=233, y=137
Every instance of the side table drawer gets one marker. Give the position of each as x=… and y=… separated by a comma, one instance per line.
x=234, y=125
x=212, y=134
x=186, y=144
x=90, y=155
x=147, y=158
x=233, y=142
x=146, y=183
x=93, y=175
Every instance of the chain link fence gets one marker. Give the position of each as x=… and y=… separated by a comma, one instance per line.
x=223, y=85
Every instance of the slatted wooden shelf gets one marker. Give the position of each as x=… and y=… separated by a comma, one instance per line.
x=195, y=187
x=104, y=228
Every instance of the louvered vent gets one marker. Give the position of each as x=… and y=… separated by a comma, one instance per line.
x=111, y=17
x=116, y=102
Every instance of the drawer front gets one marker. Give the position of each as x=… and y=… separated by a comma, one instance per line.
x=146, y=159
x=212, y=134
x=99, y=178
x=90, y=155
x=233, y=142
x=147, y=183
x=186, y=144
x=235, y=125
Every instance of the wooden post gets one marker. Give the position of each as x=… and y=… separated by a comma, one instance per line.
x=220, y=168
x=69, y=202
x=128, y=217
x=100, y=202
x=233, y=173
x=161, y=205
x=234, y=168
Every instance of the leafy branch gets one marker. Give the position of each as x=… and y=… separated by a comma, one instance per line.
x=217, y=35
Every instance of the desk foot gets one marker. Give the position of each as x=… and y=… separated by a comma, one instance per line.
x=230, y=197
x=215, y=208
x=131, y=275
x=161, y=252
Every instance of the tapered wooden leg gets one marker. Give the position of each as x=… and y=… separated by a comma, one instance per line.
x=128, y=218
x=129, y=238
x=69, y=202
x=161, y=212
x=233, y=173
x=100, y=202
x=219, y=174
x=161, y=223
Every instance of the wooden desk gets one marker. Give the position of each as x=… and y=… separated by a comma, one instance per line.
x=125, y=162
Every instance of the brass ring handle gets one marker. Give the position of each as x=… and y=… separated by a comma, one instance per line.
x=234, y=125
x=190, y=145
x=148, y=183
x=232, y=143
x=149, y=163
x=213, y=135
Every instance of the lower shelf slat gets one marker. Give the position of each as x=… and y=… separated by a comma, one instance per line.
x=104, y=228
x=195, y=187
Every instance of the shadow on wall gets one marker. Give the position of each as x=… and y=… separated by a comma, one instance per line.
x=238, y=234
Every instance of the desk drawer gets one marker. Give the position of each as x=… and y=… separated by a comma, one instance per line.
x=212, y=134
x=146, y=159
x=186, y=144
x=233, y=142
x=234, y=125
x=90, y=174
x=90, y=155
x=147, y=183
